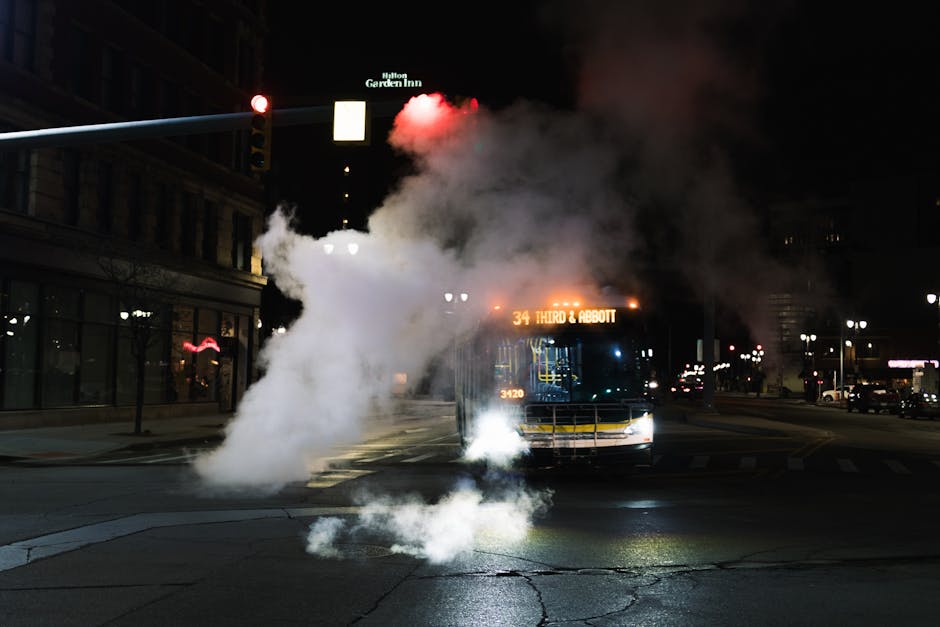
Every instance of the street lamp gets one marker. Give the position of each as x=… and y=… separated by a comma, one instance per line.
x=809, y=359
x=855, y=326
x=932, y=299
x=455, y=300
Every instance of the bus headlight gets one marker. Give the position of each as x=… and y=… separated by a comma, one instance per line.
x=642, y=427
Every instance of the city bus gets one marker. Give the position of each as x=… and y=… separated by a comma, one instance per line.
x=576, y=382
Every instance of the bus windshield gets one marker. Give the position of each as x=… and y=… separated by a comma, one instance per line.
x=568, y=367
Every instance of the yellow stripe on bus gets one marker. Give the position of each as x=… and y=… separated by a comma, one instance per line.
x=586, y=428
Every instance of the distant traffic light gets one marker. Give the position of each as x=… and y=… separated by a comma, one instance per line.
x=259, y=141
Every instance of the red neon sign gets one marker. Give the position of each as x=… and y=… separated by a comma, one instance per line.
x=206, y=343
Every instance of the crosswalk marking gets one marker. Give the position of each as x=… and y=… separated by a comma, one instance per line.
x=846, y=465
x=419, y=458
x=897, y=467
x=795, y=463
x=331, y=478
x=375, y=459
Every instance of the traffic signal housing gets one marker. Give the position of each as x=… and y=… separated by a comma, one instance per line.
x=259, y=140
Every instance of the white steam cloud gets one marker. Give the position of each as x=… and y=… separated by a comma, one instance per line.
x=495, y=440
x=463, y=520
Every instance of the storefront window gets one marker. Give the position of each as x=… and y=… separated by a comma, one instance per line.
x=205, y=383
x=97, y=349
x=61, y=359
x=19, y=350
x=181, y=359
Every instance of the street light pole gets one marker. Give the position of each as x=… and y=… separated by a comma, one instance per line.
x=855, y=326
x=809, y=360
x=455, y=300
x=934, y=299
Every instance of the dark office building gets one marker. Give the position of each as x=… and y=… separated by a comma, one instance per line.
x=97, y=237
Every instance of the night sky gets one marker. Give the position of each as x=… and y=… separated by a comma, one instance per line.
x=836, y=90
x=795, y=97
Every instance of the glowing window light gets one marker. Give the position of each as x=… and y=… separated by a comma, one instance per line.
x=352, y=247
x=328, y=249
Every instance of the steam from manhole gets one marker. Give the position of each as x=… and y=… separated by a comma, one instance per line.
x=361, y=551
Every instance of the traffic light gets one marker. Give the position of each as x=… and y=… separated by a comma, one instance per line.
x=259, y=140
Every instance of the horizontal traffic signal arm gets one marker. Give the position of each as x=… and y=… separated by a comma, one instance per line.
x=170, y=127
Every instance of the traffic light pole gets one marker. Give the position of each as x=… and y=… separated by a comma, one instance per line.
x=164, y=127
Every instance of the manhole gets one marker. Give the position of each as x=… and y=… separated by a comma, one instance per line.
x=362, y=551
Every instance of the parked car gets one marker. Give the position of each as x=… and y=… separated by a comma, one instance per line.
x=831, y=396
x=875, y=397
x=920, y=404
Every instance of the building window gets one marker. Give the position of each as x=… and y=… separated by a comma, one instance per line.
x=97, y=350
x=18, y=32
x=19, y=344
x=188, y=216
x=241, y=242
x=135, y=205
x=181, y=359
x=246, y=66
x=162, y=213
x=112, y=79
x=215, y=45
x=169, y=103
x=210, y=230
x=60, y=346
x=71, y=185
x=205, y=381
x=83, y=68
x=105, y=196
x=14, y=181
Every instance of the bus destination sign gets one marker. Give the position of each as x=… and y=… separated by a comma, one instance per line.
x=525, y=317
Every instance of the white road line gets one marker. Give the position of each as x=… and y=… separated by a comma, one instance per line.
x=170, y=459
x=331, y=478
x=419, y=458
x=795, y=463
x=748, y=463
x=699, y=461
x=443, y=437
x=131, y=459
x=846, y=465
x=34, y=549
x=897, y=467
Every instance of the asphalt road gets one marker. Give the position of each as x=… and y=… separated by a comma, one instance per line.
x=728, y=527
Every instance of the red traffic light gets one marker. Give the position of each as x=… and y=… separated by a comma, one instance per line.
x=260, y=103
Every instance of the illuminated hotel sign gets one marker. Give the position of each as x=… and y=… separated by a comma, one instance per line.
x=524, y=317
x=912, y=363
x=392, y=79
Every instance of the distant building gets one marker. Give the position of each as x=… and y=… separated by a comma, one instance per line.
x=188, y=206
x=868, y=251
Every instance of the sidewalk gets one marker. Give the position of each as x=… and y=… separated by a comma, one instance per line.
x=78, y=441
x=71, y=443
